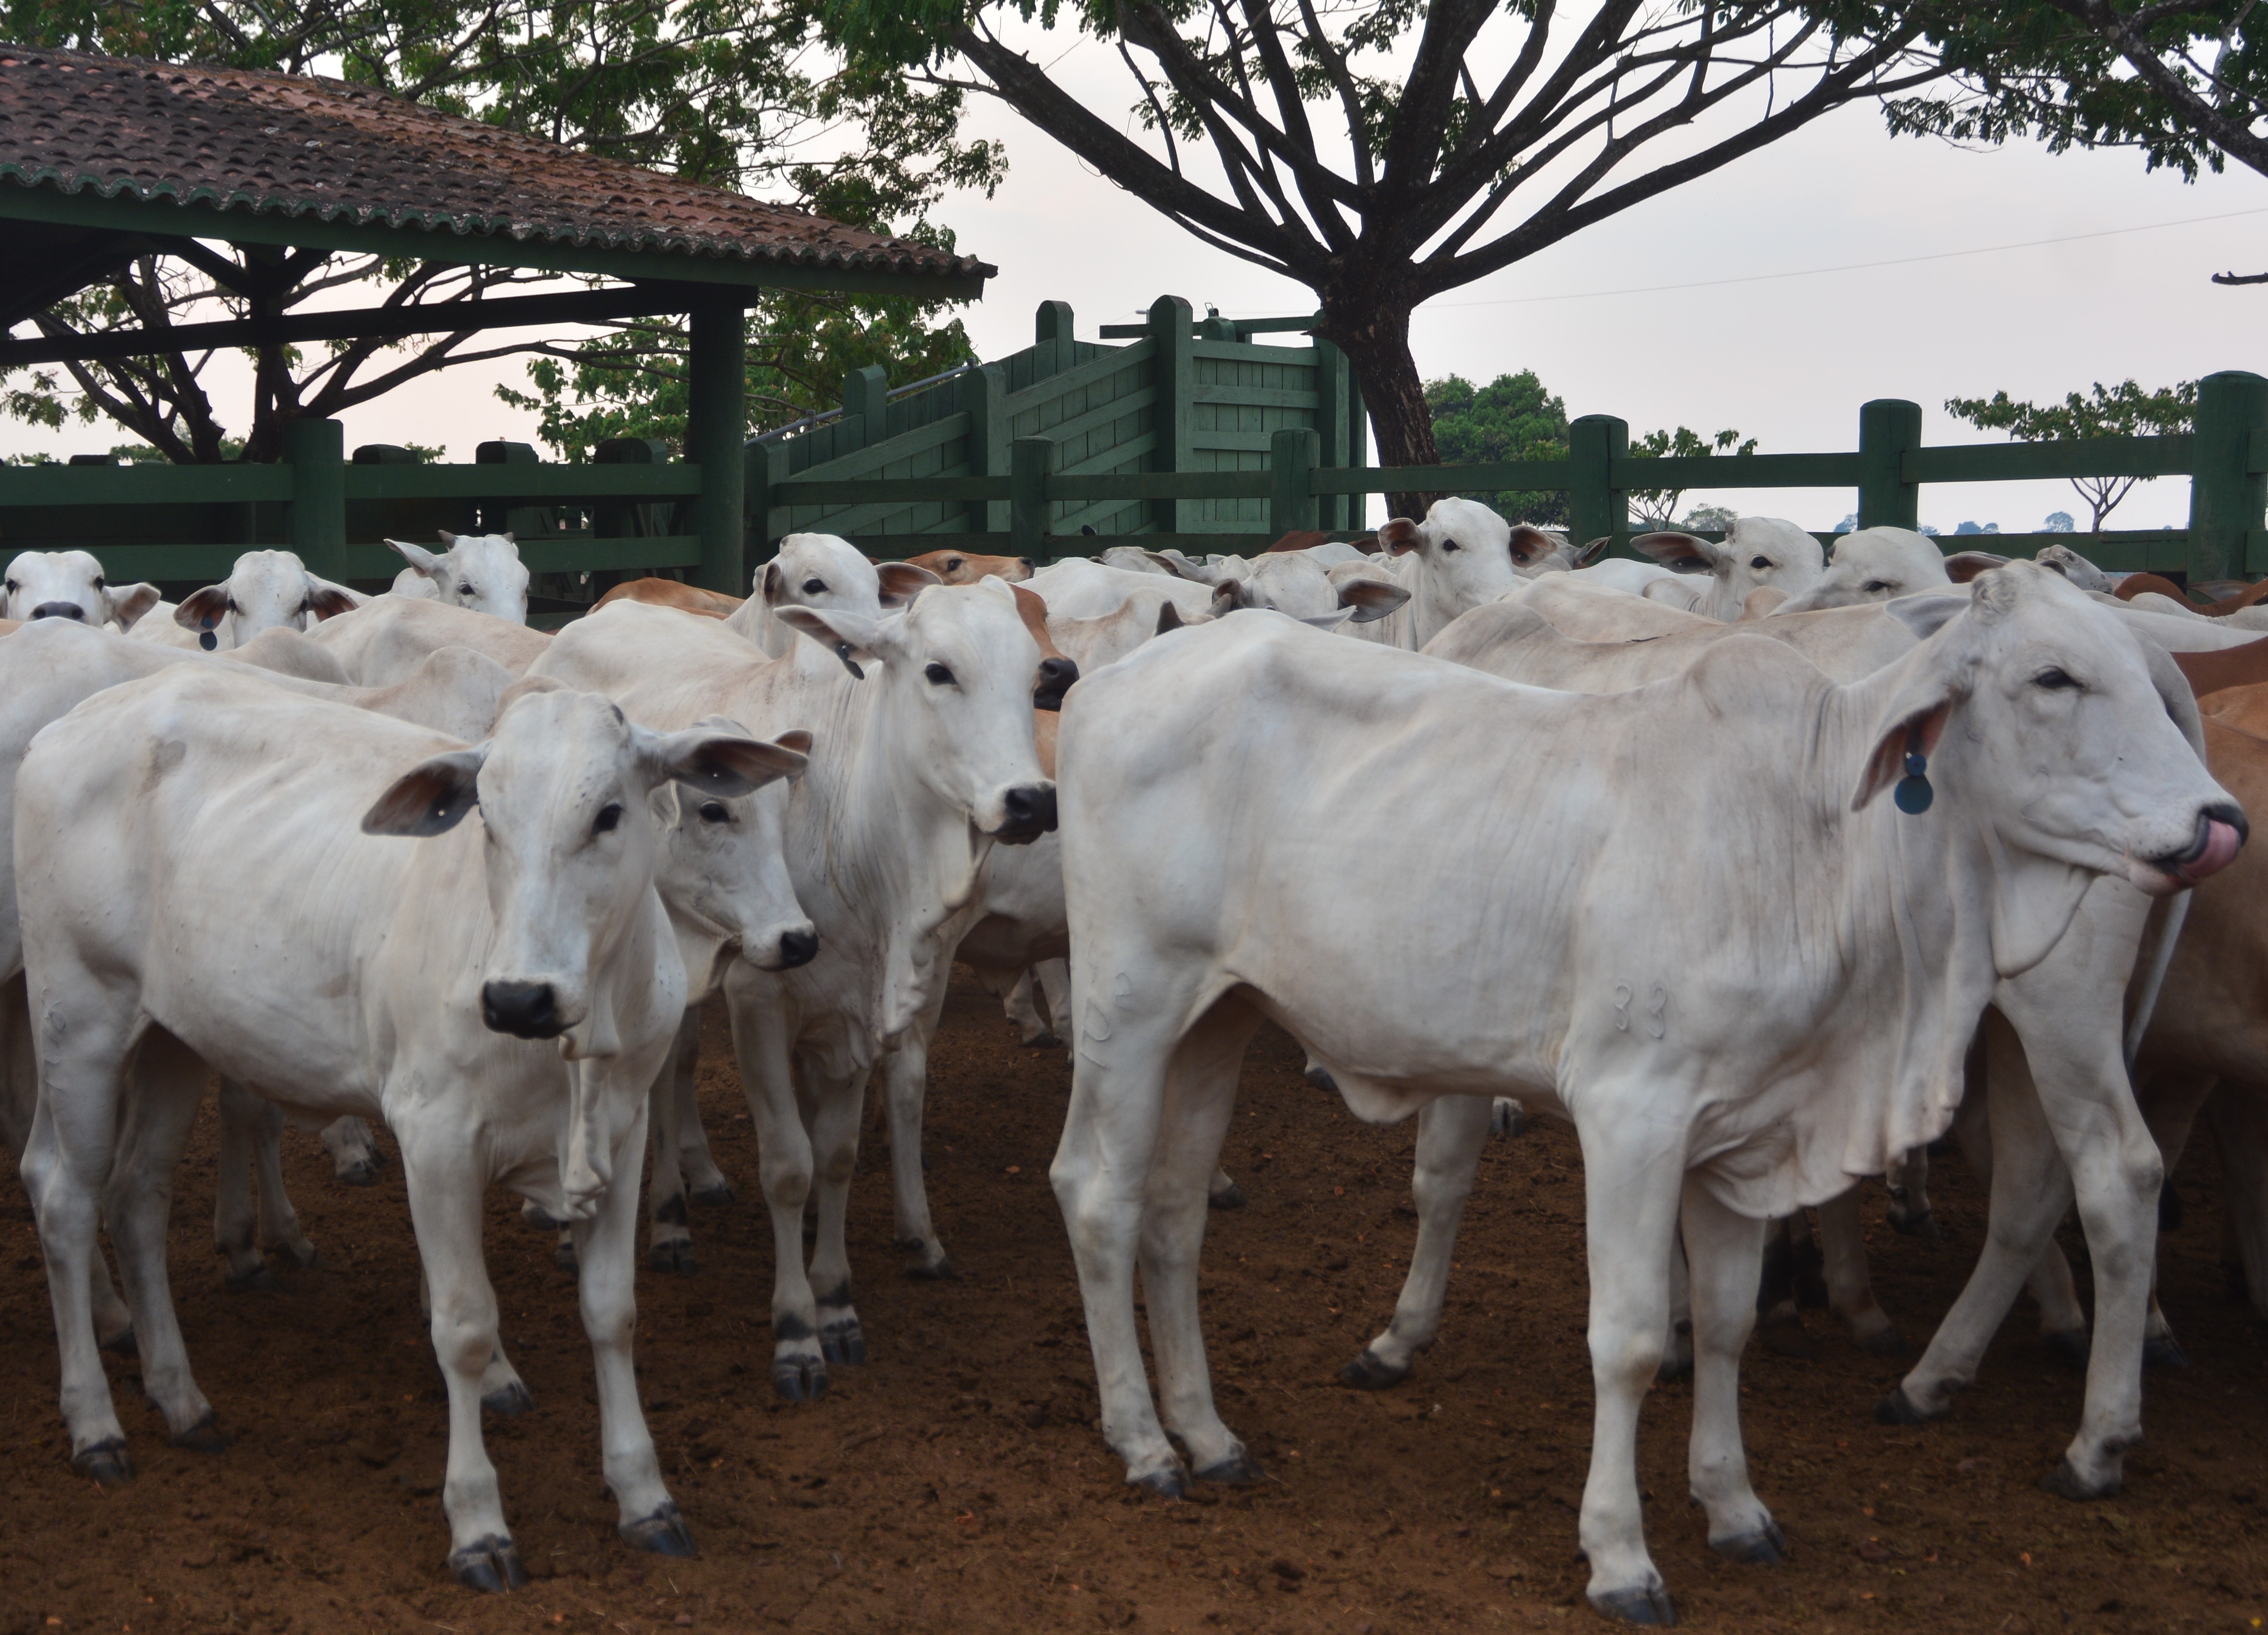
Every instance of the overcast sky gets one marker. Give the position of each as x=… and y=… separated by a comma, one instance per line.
x=1785, y=359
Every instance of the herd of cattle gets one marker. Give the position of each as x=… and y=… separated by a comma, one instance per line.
x=1762, y=869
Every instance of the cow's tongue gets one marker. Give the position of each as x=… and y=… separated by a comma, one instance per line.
x=2221, y=847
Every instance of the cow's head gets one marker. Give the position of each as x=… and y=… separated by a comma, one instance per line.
x=1459, y=558
x=962, y=567
x=2064, y=560
x=1294, y=584
x=70, y=585
x=570, y=839
x=479, y=572
x=1755, y=552
x=723, y=859
x=957, y=672
x=1875, y=564
x=267, y=590
x=2060, y=728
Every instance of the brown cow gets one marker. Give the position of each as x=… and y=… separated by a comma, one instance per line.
x=670, y=593
x=961, y=567
x=2226, y=668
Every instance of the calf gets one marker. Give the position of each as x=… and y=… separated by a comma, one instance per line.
x=266, y=590
x=479, y=572
x=70, y=585
x=823, y=571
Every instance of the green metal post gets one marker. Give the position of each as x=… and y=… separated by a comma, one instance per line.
x=1029, y=460
x=1293, y=455
x=316, y=451
x=2226, y=496
x=1595, y=505
x=1173, y=377
x=715, y=428
x=985, y=392
x=1888, y=427
x=1333, y=379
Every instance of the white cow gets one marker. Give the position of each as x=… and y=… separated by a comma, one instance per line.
x=1293, y=583
x=502, y=993
x=921, y=761
x=384, y=642
x=1762, y=1034
x=480, y=572
x=1875, y=564
x=1460, y=557
x=70, y=585
x=2075, y=568
x=821, y=571
x=1076, y=588
x=266, y=590
x=1755, y=552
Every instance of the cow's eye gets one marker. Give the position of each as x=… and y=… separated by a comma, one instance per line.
x=97, y=581
x=954, y=566
x=608, y=817
x=2054, y=680
x=814, y=587
x=713, y=811
x=13, y=587
x=1873, y=585
x=231, y=606
x=939, y=675
x=1451, y=545
x=1760, y=562
x=467, y=590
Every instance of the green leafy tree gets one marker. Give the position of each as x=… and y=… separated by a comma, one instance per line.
x=1652, y=508
x=1512, y=419
x=2121, y=410
x=736, y=93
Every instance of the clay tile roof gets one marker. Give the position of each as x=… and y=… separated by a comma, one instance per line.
x=303, y=146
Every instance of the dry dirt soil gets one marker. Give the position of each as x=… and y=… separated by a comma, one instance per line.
x=956, y=1482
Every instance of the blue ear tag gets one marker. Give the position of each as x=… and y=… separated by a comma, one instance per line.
x=843, y=651
x=206, y=640
x=1913, y=793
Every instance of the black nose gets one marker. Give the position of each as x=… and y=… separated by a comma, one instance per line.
x=60, y=610
x=1026, y=560
x=526, y=1009
x=1055, y=677
x=1031, y=813
x=798, y=947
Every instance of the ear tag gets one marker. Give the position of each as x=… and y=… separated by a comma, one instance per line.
x=1913, y=793
x=206, y=640
x=843, y=651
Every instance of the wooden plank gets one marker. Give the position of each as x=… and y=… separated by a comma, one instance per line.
x=1117, y=454
x=1251, y=352
x=1256, y=397
x=504, y=482
x=1735, y=471
x=1125, y=485
x=668, y=550
x=1529, y=473
x=1132, y=403
x=887, y=491
x=1075, y=380
x=889, y=451
x=2010, y=463
x=150, y=485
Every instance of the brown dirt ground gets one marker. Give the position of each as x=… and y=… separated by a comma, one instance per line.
x=955, y=1481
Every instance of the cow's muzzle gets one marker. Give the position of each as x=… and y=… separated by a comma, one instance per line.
x=60, y=610
x=1056, y=678
x=2221, y=832
x=1031, y=813
x=526, y=1009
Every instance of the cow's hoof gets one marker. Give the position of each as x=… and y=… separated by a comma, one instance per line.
x=107, y=1463
x=304, y=1254
x=1783, y=1336
x=714, y=1197
x=1237, y=1471
x=1650, y=1605
x=1321, y=1078
x=492, y=1565
x=799, y=1378
x=1885, y=1343
x=1766, y=1547
x=565, y=1259
x=1043, y=1041
x=1922, y=1225
x=844, y=1342
x=2068, y=1346
x=2164, y=1350
x=1229, y=1196
x=258, y=1280
x=939, y=1271
x=664, y=1533
x=362, y=1172
x=509, y=1401
x=204, y=1436
x=1171, y=1482
x=674, y=1255
x=533, y=1214
x=2065, y=1482
x=123, y=1343
x=1506, y=1117
x=1370, y=1371
x=1899, y=1408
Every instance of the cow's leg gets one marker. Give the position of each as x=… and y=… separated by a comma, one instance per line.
x=763, y=1034
x=834, y=1160
x=705, y=1184
x=244, y=1120
x=2170, y=1108
x=356, y=1156
x=905, y=1088
x=669, y=1246
x=2238, y=1115
x=1031, y=1026
x=1907, y=1180
x=445, y=1208
x=1677, y=1338
x=1633, y=1176
x=1725, y=1252
x=1452, y=1129
x=279, y=1222
x=1200, y=1097
x=1779, y=1324
x=1850, y=1290
x=605, y=1253
x=168, y=1084
x=2063, y=1320
x=1054, y=979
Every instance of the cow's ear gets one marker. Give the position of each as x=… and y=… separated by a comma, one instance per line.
x=796, y=739
x=1169, y=617
x=1530, y=543
x=1963, y=566
x=849, y=636
x=1181, y=568
x=1326, y=621
x=1371, y=599
x=1400, y=535
x=714, y=762
x=198, y=605
x=431, y=797
x=1914, y=723
x=130, y=602
x=1591, y=552
x=768, y=582
x=422, y=561
x=1227, y=598
x=508, y=537
x=902, y=582
x=1686, y=553
x=327, y=601
x=448, y=539
x=1925, y=614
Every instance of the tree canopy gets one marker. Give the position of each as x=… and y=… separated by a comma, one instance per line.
x=1512, y=419
x=2121, y=410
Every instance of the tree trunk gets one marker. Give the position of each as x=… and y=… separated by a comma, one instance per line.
x=1366, y=316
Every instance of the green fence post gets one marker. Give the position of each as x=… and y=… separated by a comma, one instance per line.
x=1888, y=427
x=1171, y=376
x=1595, y=505
x=716, y=431
x=1051, y=327
x=1333, y=379
x=779, y=517
x=2226, y=496
x=316, y=451
x=865, y=408
x=1029, y=460
x=1292, y=456
x=985, y=392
